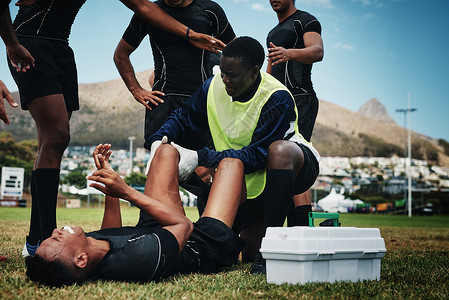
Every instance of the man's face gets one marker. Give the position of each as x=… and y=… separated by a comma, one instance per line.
x=236, y=76
x=177, y=3
x=280, y=5
x=62, y=244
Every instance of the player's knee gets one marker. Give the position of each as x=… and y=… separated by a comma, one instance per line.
x=58, y=140
x=166, y=151
x=281, y=155
x=232, y=164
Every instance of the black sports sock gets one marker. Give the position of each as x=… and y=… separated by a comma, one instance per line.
x=291, y=217
x=279, y=191
x=47, y=184
x=302, y=214
x=34, y=235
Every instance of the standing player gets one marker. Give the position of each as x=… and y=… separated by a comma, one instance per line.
x=180, y=68
x=293, y=46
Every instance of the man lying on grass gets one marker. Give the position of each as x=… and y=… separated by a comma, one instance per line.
x=169, y=245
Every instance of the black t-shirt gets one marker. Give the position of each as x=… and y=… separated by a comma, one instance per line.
x=136, y=254
x=289, y=34
x=47, y=18
x=179, y=67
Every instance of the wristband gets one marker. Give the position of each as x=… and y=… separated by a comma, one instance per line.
x=187, y=33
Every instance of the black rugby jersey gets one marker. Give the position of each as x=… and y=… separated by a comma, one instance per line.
x=136, y=254
x=180, y=68
x=289, y=33
x=52, y=19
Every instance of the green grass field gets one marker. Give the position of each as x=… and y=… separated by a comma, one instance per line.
x=416, y=265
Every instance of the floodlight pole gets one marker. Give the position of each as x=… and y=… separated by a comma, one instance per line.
x=404, y=111
x=408, y=160
x=131, y=139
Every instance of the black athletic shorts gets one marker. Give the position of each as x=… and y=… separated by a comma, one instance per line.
x=218, y=246
x=211, y=247
x=54, y=72
x=307, y=105
x=155, y=118
x=253, y=209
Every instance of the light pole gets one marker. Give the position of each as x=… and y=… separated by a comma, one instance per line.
x=408, y=161
x=131, y=139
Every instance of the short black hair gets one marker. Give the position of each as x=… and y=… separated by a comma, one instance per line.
x=50, y=273
x=247, y=49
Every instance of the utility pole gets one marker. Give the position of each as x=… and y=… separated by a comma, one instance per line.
x=408, y=160
x=131, y=139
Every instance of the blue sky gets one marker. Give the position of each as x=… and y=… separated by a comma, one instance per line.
x=380, y=49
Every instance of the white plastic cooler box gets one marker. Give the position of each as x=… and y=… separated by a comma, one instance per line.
x=322, y=254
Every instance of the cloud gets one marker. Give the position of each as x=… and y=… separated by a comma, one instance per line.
x=321, y=3
x=260, y=7
x=345, y=46
x=376, y=3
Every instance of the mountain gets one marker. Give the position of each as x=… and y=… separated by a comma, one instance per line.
x=373, y=109
x=109, y=113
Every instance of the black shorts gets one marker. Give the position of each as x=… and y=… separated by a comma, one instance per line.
x=155, y=118
x=307, y=105
x=54, y=72
x=218, y=246
x=211, y=247
x=253, y=209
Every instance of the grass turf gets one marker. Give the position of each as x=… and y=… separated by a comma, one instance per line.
x=416, y=265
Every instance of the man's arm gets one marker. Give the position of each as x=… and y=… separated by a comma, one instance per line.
x=311, y=53
x=276, y=122
x=112, y=184
x=126, y=70
x=20, y=58
x=112, y=217
x=154, y=15
x=5, y=94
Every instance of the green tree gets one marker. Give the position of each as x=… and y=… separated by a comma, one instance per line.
x=19, y=155
x=76, y=178
x=135, y=179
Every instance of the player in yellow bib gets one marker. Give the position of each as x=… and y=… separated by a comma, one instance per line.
x=250, y=116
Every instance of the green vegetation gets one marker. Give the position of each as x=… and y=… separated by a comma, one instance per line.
x=75, y=178
x=377, y=147
x=20, y=155
x=136, y=179
x=415, y=266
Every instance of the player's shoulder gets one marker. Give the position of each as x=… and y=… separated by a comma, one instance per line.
x=208, y=4
x=303, y=15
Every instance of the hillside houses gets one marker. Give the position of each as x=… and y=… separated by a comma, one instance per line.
x=380, y=173
x=355, y=172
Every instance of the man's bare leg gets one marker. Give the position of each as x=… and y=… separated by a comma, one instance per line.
x=162, y=180
x=227, y=193
x=52, y=123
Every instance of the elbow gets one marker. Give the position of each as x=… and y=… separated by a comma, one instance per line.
x=320, y=53
x=187, y=230
x=116, y=57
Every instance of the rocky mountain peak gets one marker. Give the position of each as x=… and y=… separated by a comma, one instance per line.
x=375, y=110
